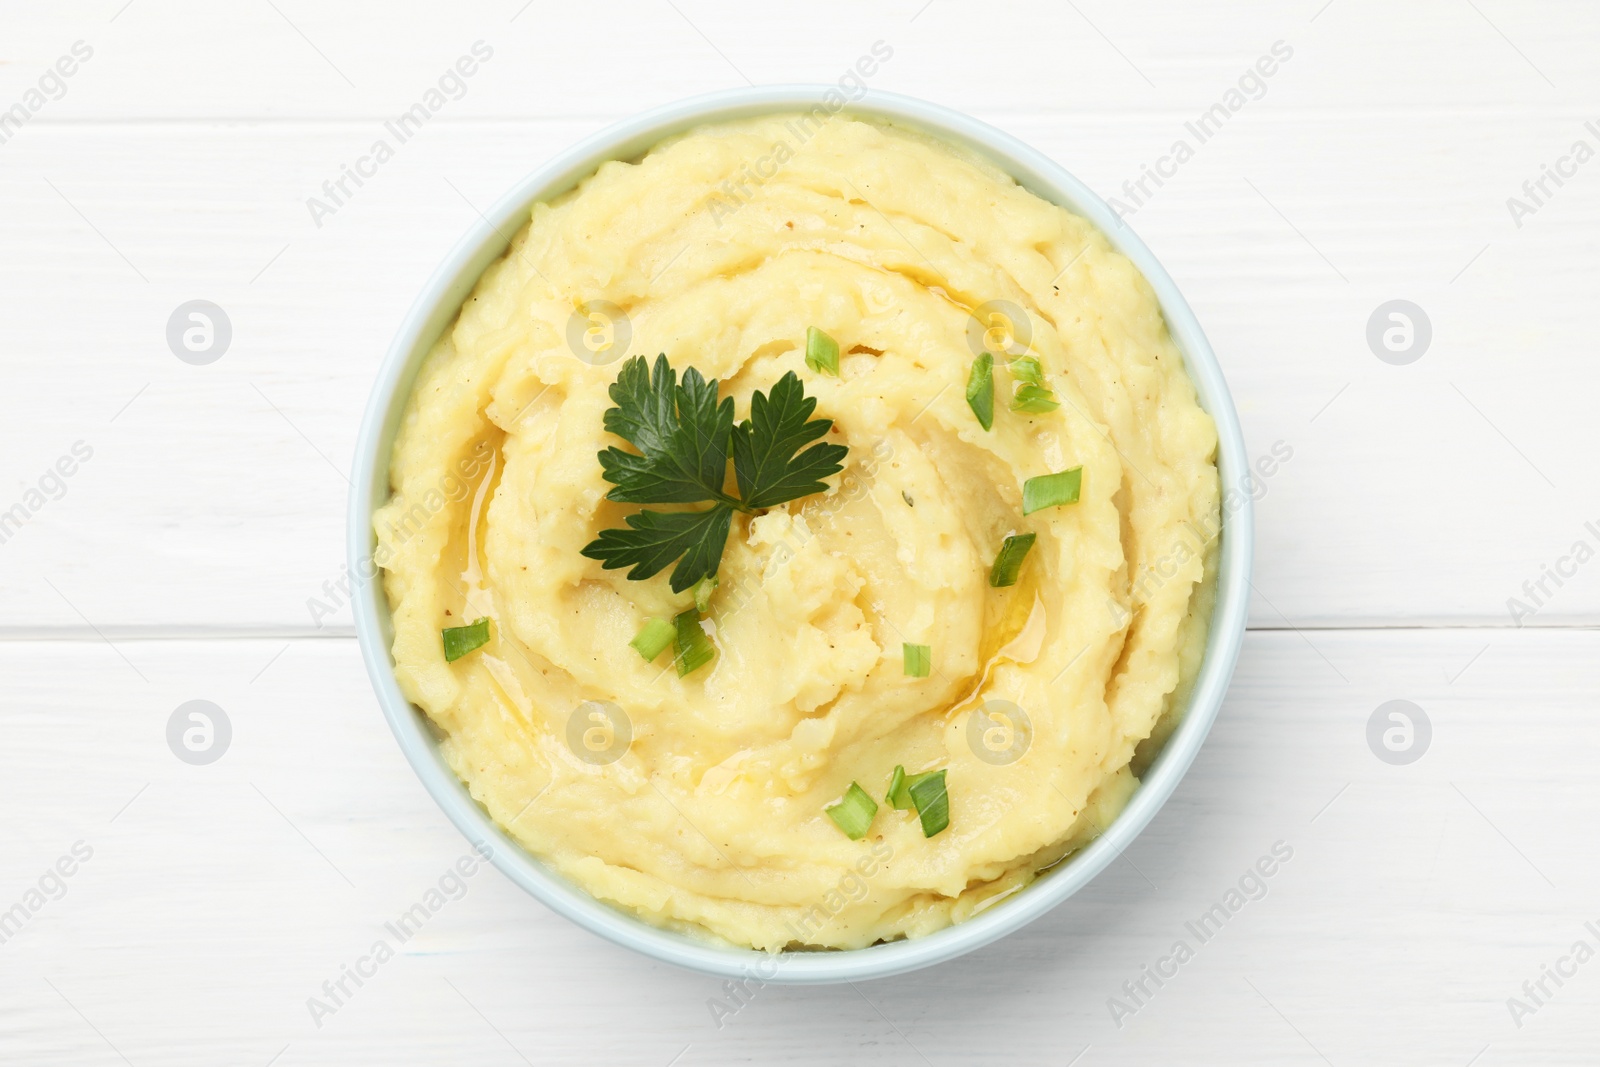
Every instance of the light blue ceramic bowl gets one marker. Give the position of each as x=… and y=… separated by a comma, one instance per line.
x=436, y=308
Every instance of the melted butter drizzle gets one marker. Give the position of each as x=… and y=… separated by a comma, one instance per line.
x=476, y=600
x=1014, y=637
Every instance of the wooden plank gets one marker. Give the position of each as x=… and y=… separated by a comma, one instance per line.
x=292, y=59
x=218, y=898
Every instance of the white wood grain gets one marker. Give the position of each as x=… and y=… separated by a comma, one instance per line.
x=1375, y=166
x=207, y=917
x=185, y=59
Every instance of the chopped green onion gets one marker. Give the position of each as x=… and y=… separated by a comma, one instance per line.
x=654, y=638
x=1033, y=395
x=1009, y=562
x=980, y=390
x=694, y=648
x=853, y=812
x=1027, y=369
x=933, y=803
x=899, y=796
x=1035, y=399
x=459, y=640
x=822, y=352
x=1051, y=490
x=918, y=659
x=702, y=593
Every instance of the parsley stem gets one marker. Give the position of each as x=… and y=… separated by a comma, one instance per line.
x=733, y=502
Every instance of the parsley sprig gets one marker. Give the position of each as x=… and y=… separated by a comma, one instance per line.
x=684, y=435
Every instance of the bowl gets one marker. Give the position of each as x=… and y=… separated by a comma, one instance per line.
x=436, y=308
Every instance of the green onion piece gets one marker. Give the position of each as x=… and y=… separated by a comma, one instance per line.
x=702, y=593
x=853, y=812
x=1009, y=562
x=822, y=352
x=459, y=640
x=918, y=659
x=933, y=803
x=1035, y=399
x=1051, y=490
x=1027, y=369
x=980, y=390
x=694, y=648
x=654, y=638
x=897, y=784
x=900, y=788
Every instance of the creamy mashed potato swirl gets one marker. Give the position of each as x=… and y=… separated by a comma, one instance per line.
x=709, y=817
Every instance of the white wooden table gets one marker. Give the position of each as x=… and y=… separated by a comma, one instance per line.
x=178, y=561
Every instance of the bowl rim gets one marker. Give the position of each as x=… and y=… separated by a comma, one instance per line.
x=438, y=304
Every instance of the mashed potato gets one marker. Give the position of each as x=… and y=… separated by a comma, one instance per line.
x=697, y=803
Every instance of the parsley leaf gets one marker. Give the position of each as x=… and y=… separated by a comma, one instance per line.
x=681, y=433
x=684, y=435
x=655, y=538
x=765, y=447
